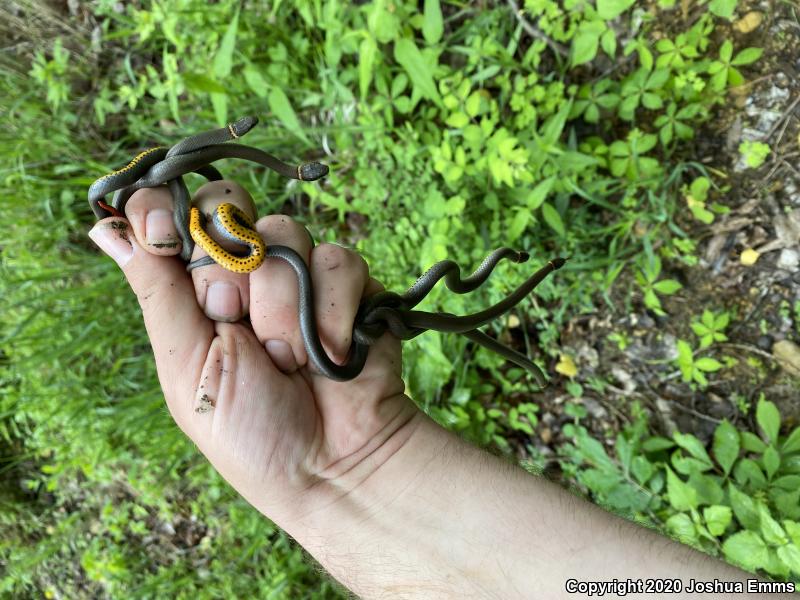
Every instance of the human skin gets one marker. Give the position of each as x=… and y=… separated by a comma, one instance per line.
x=390, y=503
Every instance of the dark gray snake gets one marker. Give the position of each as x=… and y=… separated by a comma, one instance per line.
x=385, y=311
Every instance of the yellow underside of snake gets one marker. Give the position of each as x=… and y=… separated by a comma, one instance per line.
x=234, y=225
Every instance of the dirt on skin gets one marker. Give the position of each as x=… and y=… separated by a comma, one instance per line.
x=764, y=331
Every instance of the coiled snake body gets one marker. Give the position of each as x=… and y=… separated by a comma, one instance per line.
x=377, y=314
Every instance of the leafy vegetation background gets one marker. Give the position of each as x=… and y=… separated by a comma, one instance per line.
x=451, y=128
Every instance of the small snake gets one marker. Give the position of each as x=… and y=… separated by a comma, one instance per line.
x=234, y=225
x=385, y=311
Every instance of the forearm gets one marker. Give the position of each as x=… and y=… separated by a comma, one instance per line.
x=440, y=518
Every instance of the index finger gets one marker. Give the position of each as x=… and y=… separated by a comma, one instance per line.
x=180, y=333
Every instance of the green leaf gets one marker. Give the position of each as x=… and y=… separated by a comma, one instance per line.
x=642, y=469
x=686, y=465
x=772, y=460
x=657, y=79
x=722, y=8
x=611, y=9
x=255, y=80
x=202, y=83
x=552, y=218
x=220, y=104
x=786, y=503
x=708, y=364
x=787, y=482
x=717, y=518
x=473, y=104
x=681, y=496
x=667, y=286
x=518, y=224
x=721, y=321
x=775, y=566
x=554, y=126
x=223, y=60
x=383, y=24
x=792, y=443
x=744, y=508
x=726, y=445
x=608, y=41
x=457, y=120
x=595, y=454
x=752, y=443
x=735, y=77
x=537, y=195
x=707, y=489
x=693, y=446
x=625, y=496
x=665, y=134
x=770, y=529
x=597, y=480
x=656, y=443
x=279, y=104
x=726, y=51
x=584, y=46
x=652, y=101
x=793, y=529
x=410, y=58
x=769, y=419
x=747, y=56
x=790, y=556
x=432, y=26
x=624, y=452
x=746, y=549
x=748, y=471
x=681, y=526
x=367, y=52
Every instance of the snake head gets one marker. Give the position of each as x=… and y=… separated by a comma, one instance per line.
x=312, y=171
x=243, y=125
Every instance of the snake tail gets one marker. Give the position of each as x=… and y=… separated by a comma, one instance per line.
x=454, y=324
x=451, y=272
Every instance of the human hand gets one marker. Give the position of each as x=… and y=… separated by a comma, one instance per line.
x=287, y=438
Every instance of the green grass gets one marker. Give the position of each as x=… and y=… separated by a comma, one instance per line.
x=446, y=141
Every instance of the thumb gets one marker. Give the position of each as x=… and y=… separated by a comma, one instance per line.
x=179, y=331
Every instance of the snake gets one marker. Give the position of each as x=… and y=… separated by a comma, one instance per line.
x=377, y=314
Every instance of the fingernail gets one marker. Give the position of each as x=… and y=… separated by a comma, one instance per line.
x=112, y=238
x=160, y=228
x=281, y=354
x=223, y=302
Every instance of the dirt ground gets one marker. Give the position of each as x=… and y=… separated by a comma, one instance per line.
x=764, y=332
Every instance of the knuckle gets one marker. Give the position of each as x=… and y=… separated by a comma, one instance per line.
x=281, y=227
x=329, y=257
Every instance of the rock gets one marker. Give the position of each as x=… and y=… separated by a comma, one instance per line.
x=644, y=321
x=789, y=259
x=654, y=350
x=787, y=353
x=166, y=528
x=624, y=378
x=765, y=342
x=749, y=22
x=749, y=257
x=588, y=356
x=665, y=412
x=546, y=435
x=594, y=408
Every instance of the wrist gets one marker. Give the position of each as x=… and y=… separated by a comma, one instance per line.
x=341, y=486
x=420, y=523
